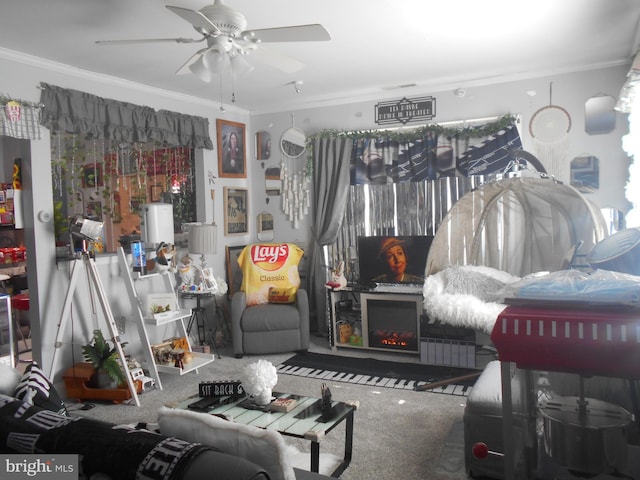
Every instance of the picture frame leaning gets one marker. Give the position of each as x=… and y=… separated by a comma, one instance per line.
x=232, y=157
x=234, y=274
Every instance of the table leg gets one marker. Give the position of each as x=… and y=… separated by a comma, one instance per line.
x=348, y=447
x=315, y=456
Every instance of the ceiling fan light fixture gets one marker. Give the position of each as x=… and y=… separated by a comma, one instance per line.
x=200, y=70
x=214, y=61
x=240, y=65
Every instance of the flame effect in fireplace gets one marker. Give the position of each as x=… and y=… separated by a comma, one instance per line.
x=394, y=339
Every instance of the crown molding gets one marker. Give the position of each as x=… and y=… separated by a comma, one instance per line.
x=37, y=62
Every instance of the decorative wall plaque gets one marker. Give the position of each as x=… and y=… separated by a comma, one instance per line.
x=406, y=110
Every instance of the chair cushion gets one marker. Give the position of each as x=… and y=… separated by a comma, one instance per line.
x=270, y=317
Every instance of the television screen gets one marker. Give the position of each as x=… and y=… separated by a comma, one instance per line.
x=393, y=259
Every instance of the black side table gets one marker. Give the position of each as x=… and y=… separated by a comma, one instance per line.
x=199, y=316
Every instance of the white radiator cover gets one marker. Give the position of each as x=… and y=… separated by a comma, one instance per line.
x=443, y=351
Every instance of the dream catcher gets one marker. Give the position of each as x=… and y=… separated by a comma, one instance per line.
x=296, y=196
x=549, y=128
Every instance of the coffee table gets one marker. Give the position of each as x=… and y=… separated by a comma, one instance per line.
x=306, y=420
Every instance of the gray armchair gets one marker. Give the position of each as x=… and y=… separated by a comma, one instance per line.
x=269, y=328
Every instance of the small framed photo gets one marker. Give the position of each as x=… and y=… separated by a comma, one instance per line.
x=235, y=211
x=232, y=160
x=265, y=223
x=156, y=193
x=209, y=280
x=92, y=175
x=263, y=145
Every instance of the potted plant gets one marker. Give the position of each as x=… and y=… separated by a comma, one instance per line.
x=104, y=358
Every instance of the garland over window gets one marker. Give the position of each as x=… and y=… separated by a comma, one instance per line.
x=81, y=113
x=430, y=152
x=406, y=135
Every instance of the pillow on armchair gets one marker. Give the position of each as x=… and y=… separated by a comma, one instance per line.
x=268, y=265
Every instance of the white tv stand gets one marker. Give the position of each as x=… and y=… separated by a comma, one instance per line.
x=380, y=319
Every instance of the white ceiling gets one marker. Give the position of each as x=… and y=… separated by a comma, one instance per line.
x=376, y=46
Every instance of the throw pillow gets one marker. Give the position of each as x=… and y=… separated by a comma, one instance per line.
x=268, y=265
x=265, y=448
x=9, y=379
x=36, y=389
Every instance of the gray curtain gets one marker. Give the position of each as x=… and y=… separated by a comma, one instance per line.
x=331, y=158
x=81, y=113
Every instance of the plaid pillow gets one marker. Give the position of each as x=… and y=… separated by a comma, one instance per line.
x=36, y=389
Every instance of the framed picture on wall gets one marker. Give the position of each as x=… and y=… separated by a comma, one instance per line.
x=236, y=202
x=232, y=159
x=263, y=145
x=265, y=222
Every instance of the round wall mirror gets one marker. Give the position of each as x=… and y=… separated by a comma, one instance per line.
x=293, y=142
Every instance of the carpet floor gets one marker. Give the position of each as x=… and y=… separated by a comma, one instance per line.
x=399, y=434
x=381, y=373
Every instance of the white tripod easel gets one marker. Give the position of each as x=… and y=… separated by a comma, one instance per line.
x=94, y=281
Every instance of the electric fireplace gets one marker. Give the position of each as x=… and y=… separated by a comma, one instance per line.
x=392, y=320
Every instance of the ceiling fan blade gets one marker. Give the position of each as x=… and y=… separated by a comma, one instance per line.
x=149, y=40
x=184, y=69
x=197, y=19
x=296, y=33
x=281, y=62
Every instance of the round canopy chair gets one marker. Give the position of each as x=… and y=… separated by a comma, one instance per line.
x=499, y=233
x=517, y=225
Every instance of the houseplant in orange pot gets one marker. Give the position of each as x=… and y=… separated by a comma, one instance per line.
x=108, y=372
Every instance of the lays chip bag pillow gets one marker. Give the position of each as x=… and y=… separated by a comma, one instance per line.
x=268, y=265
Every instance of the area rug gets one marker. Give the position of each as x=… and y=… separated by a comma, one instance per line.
x=380, y=373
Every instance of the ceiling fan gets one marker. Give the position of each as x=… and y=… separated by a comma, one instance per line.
x=223, y=29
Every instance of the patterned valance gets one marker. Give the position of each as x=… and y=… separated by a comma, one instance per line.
x=430, y=152
x=19, y=119
x=78, y=112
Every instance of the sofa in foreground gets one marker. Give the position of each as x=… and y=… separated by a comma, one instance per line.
x=107, y=451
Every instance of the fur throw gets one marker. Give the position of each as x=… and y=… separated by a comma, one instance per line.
x=466, y=296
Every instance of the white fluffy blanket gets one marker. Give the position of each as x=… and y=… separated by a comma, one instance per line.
x=466, y=296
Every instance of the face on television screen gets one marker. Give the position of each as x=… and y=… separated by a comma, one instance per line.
x=393, y=259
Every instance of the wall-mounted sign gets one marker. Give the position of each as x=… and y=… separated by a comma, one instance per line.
x=406, y=110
